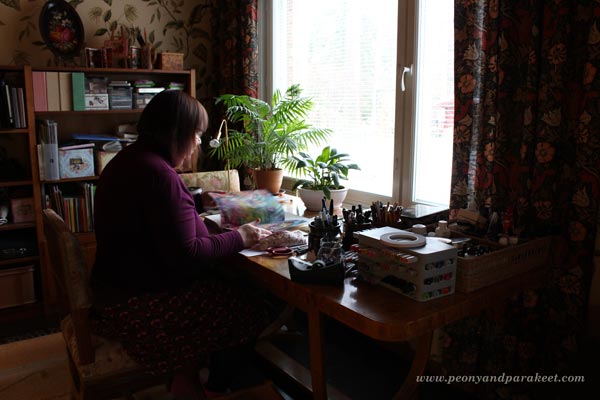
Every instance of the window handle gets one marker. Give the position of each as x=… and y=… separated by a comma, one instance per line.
x=404, y=71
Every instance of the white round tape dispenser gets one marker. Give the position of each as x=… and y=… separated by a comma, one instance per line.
x=403, y=239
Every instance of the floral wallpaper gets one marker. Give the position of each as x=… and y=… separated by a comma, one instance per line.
x=180, y=26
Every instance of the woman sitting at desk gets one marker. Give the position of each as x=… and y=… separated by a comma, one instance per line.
x=155, y=280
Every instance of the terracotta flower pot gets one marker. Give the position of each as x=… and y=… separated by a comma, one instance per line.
x=269, y=179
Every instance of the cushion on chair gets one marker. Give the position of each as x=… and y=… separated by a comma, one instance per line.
x=111, y=358
x=75, y=270
x=213, y=180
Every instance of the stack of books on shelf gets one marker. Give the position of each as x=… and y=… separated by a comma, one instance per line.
x=119, y=95
x=77, y=210
x=52, y=91
x=12, y=106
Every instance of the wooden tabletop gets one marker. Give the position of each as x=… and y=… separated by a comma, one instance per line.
x=379, y=312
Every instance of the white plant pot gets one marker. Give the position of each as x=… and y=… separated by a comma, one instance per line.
x=312, y=198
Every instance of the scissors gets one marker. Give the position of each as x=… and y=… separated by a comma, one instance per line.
x=280, y=252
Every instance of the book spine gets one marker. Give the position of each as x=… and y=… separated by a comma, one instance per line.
x=78, y=86
x=42, y=167
x=8, y=115
x=52, y=91
x=22, y=109
x=14, y=101
x=66, y=91
x=40, y=99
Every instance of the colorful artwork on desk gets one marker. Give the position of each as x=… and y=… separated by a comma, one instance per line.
x=247, y=206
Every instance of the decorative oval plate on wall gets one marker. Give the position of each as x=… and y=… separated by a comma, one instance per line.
x=61, y=28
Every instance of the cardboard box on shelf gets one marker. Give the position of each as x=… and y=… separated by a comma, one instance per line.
x=103, y=158
x=170, y=61
x=22, y=210
x=16, y=286
x=76, y=161
x=96, y=101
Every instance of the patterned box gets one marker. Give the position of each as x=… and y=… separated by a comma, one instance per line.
x=75, y=162
x=170, y=61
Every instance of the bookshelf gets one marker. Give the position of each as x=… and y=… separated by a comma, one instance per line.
x=68, y=121
x=22, y=274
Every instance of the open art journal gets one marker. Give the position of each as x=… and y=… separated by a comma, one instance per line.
x=241, y=207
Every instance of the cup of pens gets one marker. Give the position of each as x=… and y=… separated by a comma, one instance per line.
x=322, y=231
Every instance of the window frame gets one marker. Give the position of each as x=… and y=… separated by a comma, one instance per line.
x=404, y=126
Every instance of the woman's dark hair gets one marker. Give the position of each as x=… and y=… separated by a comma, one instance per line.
x=172, y=119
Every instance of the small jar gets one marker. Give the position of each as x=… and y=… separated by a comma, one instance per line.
x=442, y=229
x=331, y=252
x=419, y=229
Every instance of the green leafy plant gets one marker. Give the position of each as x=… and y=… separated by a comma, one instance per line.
x=324, y=171
x=271, y=133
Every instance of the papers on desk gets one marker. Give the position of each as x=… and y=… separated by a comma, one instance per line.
x=291, y=222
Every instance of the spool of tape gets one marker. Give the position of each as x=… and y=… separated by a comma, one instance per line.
x=403, y=239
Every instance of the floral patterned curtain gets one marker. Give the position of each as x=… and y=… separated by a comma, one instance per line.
x=527, y=145
x=235, y=45
x=234, y=67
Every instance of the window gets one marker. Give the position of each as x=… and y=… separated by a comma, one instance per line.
x=392, y=111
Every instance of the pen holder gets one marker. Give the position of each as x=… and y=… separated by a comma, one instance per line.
x=320, y=231
x=349, y=230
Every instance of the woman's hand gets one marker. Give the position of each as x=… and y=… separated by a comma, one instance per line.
x=251, y=233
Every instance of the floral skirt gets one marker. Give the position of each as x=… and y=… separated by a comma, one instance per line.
x=168, y=331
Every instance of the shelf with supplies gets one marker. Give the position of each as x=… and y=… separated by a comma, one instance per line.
x=66, y=180
x=22, y=274
x=11, y=131
x=15, y=183
x=17, y=226
x=43, y=114
x=26, y=187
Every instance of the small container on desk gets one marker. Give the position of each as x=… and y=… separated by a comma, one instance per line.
x=496, y=263
x=331, y=252
x=318, y=231
x=349, y=229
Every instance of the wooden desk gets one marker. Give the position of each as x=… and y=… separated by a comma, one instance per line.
x=378, y=312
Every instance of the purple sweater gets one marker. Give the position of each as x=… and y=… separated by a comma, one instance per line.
x=148, y=233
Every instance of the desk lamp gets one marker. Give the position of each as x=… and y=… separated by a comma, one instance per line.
x=216, y=142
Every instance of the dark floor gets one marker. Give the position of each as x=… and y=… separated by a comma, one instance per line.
x=357, y=366
x=21, y=330
x=360, y=368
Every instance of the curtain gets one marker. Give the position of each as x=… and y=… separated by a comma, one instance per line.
x=235, y=46
x=234, y=66
x=527, y=146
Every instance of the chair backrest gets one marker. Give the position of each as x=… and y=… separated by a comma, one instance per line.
x=225, y=180
x=70, y=269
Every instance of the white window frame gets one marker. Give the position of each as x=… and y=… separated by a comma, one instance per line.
x=406, y=67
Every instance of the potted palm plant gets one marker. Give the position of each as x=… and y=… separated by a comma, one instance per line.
x=324, y=173
x=270, y=133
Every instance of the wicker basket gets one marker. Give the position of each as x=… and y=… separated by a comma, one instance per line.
x=476, y=272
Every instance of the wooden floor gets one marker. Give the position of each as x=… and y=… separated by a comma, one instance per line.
x=36, y=369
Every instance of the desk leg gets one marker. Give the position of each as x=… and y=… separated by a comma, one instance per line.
x=422, y=351
x=317, y=372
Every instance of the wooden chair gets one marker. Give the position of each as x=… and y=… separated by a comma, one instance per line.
x=100, y=368
x=226, y=180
